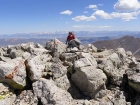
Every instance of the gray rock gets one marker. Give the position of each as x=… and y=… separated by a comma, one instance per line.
x=68, y=56
x=116, y=76
x=50, y=94
x=130, y=62
x=37, y=51
x=134, y=77
x=89, y=80
x=113, y=68
x=114, y=97
x=86, y=59
x=36, y=66
x=101, y=56
x=89, y=57
x=39, y=45
x=113, y=61
x=23, y=47
x=13, y=73
x=16, y=53
x=62, y=82
x=81, y=102
x=7, y=96
x=89, y=48
x=5, y=59
x=121, y=53
x=26, y=98
x=26, y=55
x=128, y=53
x=56, y=46
x=105, y=53
x=58, y=70
x=1, y=52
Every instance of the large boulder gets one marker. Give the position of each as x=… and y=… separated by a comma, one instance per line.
x=5, y=59
x=89, y=80
x=133, y=75
x=62, y=82
x=26, y=55
x=89, y=57
x=13, y=47
x=25, y=46
x=13, y=73
x=36, y=66
x=83, y=62
x=22, y=47
x=116, y=76
x=50, y=94
x=59, y=74
x=113, y=97
x=68, y=56
x=56, y=46
x=89, y=48
x=37, y=51
x=57, y=69
x=16, y=53
x=121, y=53
x=112, y=66
x=39, y=45
x=105, y=97
x=101, y=56
x=113, y=61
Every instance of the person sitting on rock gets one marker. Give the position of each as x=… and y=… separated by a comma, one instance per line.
x=70, y=37
x=71, y=41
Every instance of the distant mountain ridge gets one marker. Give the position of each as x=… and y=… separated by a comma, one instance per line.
x=60, y=34
x=129, y=43
x=42, y=41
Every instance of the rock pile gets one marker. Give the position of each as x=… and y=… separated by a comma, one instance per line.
x=31, y=74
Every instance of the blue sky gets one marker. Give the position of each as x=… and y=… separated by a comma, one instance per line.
x=31, y=16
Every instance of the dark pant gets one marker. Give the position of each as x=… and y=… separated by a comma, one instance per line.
x=73, y=43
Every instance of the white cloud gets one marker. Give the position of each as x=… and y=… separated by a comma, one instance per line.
x=127, y=10
x=92, y=6
x=127, y=5
x=90, y=26
x=124, y=16
x=102, y=14
x=84, y=18
x=83, y=26
x=67, y=12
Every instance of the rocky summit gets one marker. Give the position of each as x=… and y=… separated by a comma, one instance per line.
x=31, y=74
